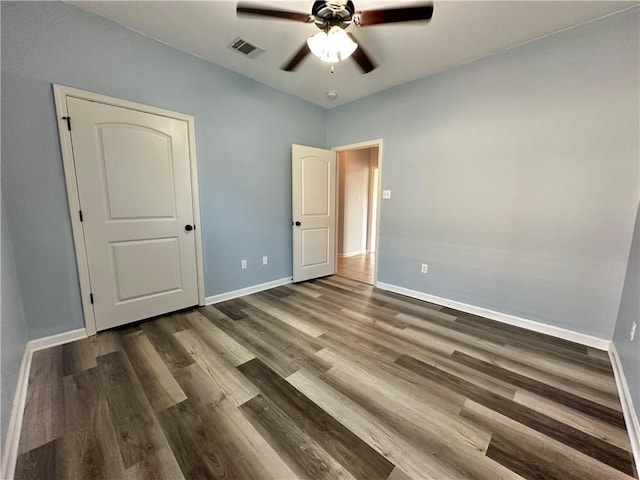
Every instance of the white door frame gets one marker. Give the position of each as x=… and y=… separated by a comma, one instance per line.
x=61, y=93
x=359, y=146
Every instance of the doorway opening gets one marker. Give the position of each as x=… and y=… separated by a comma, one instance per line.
x=358, y=210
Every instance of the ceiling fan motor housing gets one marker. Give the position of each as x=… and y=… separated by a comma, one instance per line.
x=332, y=13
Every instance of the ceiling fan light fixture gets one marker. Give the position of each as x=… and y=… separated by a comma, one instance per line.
x=332, y=46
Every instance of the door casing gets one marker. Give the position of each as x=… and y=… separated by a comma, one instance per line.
x=358, y=146
x=61, y=93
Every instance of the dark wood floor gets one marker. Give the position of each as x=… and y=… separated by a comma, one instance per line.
x=329, y=379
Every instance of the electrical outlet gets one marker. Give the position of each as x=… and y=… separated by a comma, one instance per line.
x=243, y=264
x=265, y=260
x=386, y=194
x=425, y=268
x=633, y=331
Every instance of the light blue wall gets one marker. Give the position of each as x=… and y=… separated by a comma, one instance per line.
x=13, y=332
x=514, y=177
x=522, y=167
x=244, y=132
x=629, y=351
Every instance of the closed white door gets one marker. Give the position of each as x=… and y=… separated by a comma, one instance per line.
x=134, y=185
x=314, y=212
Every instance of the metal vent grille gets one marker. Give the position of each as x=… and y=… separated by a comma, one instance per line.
x=245, y=48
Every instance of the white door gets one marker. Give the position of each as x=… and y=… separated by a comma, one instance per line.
x=134, y=185
x=314, y=212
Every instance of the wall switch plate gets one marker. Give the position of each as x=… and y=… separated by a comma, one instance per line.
x=386, y=194
x=243, y=264
x=265, y=260
x=425, y=268
x=633, y=331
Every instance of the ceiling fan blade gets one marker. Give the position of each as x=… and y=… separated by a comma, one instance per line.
x=254, y=10
x=362, y=58
x=300, y=55
x=394, y=15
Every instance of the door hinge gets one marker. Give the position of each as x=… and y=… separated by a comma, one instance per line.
x=91, y=298
x=68, y=119
x=80, y=213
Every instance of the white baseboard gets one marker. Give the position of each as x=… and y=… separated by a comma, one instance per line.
x=351, y=254
x=626, y=400
x=223, y=297
x=55, y=340
x=12, y=438
x=581, y=338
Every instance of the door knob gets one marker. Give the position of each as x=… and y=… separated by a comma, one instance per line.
x=188, y=228
x=298, y=224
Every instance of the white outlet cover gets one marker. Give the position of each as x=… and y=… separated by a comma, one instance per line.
x=386, y=194
x=265, y=260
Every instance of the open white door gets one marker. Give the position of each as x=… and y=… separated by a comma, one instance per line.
x=314, y=212
x=134, y=185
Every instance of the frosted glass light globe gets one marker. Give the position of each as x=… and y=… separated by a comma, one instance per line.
x=332, y=47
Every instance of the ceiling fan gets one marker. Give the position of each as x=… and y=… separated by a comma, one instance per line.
x=333, y=44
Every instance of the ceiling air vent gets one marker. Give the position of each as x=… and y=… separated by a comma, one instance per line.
x=245, y=48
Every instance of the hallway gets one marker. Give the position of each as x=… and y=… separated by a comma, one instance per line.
x=358, y=267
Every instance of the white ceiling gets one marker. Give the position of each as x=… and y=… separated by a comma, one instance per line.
x=460, y=31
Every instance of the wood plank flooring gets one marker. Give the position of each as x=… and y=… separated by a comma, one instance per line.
x=358, y=267
x=328, y=379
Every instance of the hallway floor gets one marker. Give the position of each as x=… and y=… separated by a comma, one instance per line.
x=358, y=267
